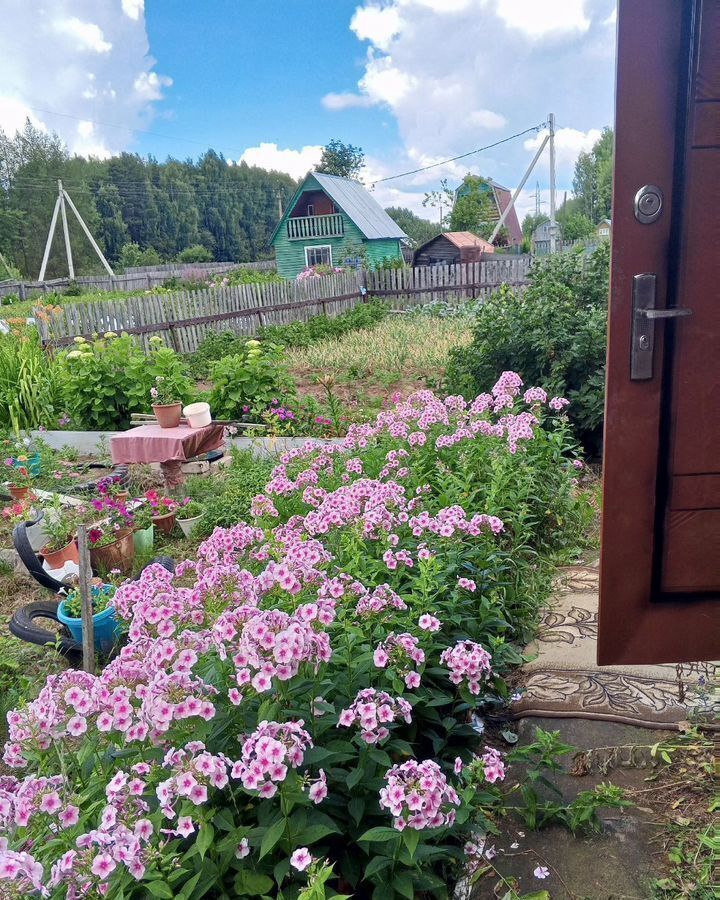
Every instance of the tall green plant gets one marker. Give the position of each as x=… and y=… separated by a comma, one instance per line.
x=553, y=335
x=29, y=390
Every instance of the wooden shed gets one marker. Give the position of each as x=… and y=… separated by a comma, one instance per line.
x=452, y=247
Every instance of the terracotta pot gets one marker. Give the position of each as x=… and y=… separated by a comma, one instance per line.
x=165, y=523
x=56, y=559
x=122, y=496
x=168, y=415
x=118, y=555
x=19, y=493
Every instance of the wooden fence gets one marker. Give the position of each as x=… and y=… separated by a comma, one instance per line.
x=135, y=279
x=184, y=318
x=408, y=287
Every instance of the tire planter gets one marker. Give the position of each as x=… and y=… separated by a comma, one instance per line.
x=144, y=538
x=107, y=628
x=118, y=555
x=56, y=559
x=165, y=523
x=189, y=525
x=168, y=415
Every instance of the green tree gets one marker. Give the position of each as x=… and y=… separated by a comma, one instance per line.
x=341, y=159
x=195, y=254
x=474, y=209
x=592, y=183
x=419, y=230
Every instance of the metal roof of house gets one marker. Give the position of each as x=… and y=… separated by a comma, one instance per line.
x=360, y=206
x=465, y=239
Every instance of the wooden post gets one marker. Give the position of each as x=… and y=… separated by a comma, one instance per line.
x=88, y=626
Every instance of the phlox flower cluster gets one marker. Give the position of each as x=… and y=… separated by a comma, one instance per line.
x=22, y=800
x=122, y=839
x=382, y=599
x=467, y=661
x=419, y=796
x=453, y=520
x=20, y=873
x=194, y=772
x=268, y=752
x=373, y=711
x=400, y=652
x=267, y=644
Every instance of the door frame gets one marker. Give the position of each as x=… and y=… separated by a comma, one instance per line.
x=653, y=80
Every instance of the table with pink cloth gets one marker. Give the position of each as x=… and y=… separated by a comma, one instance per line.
x=170, y=447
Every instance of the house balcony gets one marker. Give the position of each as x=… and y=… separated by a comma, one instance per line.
x=300, y=228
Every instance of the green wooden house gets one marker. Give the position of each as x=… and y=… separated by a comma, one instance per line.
x=329, y=220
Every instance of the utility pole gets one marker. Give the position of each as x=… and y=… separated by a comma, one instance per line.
x=511, y=204
x=553, y=223
x=62, y=198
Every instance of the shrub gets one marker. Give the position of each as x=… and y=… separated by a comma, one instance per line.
x=245, y=384
x=553, y=334
x=212, y=348
x=255, y=726
x=228, y=502
x=195, y=254
x=317, y=328
x=106, y=380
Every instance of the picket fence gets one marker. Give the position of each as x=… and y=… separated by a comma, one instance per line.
x=184, y=318
x=134, y=279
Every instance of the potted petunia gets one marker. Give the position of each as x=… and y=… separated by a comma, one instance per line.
x=188, y=515
x=165, y=405
x=19, y=476
x=111, y=538
x=59, y=525
x=106, y=626
x=164, y=512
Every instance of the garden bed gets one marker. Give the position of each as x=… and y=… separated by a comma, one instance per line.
x=329, y=655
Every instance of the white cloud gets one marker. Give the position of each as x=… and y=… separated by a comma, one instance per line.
x=93, y=56
x=85, y=35
x=461, y=74
x=612, y=18
x=376, y=24
x=569, y=142
x=296, y=163
x=133, y=9
x=149, y=85
x=538, y=18
x=345, y=100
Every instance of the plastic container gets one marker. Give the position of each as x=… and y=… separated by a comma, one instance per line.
x=198, y=415
x=144, y=538
x=107, y=628
x=56, y=559
x=189, y=525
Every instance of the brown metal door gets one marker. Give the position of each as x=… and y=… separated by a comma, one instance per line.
x=660, y=559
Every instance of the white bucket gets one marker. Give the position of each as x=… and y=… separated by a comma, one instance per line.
x=198, y=415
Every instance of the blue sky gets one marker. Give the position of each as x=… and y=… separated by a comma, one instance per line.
x=270, y=81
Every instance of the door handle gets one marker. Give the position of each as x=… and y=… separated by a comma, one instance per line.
x=643, y=325
x=676, y=312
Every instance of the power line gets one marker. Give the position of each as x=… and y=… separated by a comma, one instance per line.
x=444, y=162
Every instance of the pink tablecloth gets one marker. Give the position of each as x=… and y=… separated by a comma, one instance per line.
x=151, y=443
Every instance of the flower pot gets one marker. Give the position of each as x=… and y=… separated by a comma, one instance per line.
x=198, y=415
x=56, y=559
x=106, y=626
x=189, y=525
x=19, y=493
x=168, y=415
x=118, y=555
x=144, y=538
x=122, y=496
x=165, y=523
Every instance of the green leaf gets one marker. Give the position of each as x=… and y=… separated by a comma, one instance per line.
x=205, y=838
x=380, y=833
x=160, y=889
x=403, y=884
x=356, y=808
x=376, y=865
x=314, y=833
x=272, y=836
x=354, y=777
x=189, y=887
x=411, y=838
x=252, y=884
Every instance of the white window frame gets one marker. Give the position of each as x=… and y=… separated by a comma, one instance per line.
x=310, y=211
x=327, y=247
